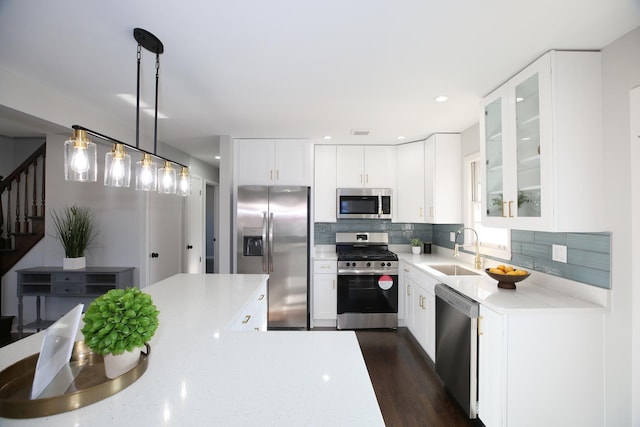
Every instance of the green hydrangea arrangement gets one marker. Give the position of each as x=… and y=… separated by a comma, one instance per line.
x=120, y=320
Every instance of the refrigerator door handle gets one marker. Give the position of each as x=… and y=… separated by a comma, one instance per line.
x=264, y=239
x=271, y=242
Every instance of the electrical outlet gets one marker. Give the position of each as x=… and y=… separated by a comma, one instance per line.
x=559, y=253
x=452, y=236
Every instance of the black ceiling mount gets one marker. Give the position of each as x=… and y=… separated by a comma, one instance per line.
x=148, y=40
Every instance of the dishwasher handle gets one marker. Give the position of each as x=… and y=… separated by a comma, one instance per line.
x=463, y=304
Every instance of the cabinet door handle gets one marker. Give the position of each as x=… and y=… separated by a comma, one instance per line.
x=246, y=319
x=366, y=179
x=361, y=179
x=277, y=174
x=154, y=255
x=333, y=284
x=431, y=211
x=479, y=323
x=408, y=289
x=271, y=175
x=325, y=266
x=503, y=209
x=510, y=204
x=420, y=212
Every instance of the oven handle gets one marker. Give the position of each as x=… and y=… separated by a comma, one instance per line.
x=367, y=272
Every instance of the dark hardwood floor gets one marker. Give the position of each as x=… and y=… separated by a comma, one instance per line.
x=405, y=382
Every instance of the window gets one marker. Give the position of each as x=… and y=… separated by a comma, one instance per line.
x=495, y=242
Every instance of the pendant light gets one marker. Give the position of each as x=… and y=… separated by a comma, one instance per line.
x=184, y=182
x=146, y=174
x=117, y=167
x=167, y=179
x=80, y=152
x=80, y=158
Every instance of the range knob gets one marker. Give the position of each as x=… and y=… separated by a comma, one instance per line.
x=368, y=264
x=382, y=265
x=388, y=264
x=353, y=264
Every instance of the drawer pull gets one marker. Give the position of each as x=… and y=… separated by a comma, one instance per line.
x=246, y=319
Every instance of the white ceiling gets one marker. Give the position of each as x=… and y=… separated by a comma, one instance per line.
x=303, y=69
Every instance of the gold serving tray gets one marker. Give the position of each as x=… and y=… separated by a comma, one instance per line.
x=89, y=384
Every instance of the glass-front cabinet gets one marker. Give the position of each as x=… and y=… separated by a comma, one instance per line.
x=537, y=153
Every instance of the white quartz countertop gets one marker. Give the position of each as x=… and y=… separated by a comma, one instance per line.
x=201, y=374
x=528, y=295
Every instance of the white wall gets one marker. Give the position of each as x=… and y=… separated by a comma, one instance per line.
x=620, y=72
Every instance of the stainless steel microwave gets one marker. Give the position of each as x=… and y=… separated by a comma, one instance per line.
x=363, y=203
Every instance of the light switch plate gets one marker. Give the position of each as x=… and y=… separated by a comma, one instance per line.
x=559, y=253
x=452, y=236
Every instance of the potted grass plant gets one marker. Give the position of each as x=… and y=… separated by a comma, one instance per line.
x=74, y=226
x=416, y=244
x=117, y=325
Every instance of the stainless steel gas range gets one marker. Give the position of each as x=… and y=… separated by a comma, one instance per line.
x=367, y=281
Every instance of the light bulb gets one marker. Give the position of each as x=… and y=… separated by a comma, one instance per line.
x=117, y=169
x=167, y=180
x=145, y=176
x=80, y=160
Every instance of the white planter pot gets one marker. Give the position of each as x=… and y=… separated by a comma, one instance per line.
x=74, y=263
x=415, y=250
x=116, y=365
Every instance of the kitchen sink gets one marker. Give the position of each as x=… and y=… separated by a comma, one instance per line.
x=453, y=270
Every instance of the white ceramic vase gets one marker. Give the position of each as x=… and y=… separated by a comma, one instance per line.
x=74, y=263
x=116, y=365
x=415, y=250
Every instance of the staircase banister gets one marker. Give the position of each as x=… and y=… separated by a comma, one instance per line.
x=40, y=151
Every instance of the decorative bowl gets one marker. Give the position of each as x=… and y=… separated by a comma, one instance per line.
x=506, y=281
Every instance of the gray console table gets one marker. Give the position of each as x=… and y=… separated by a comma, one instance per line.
x=88, y=282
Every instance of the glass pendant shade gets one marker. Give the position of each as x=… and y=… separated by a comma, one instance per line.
x=146, y=174
x=184, y=182
x=117, y=167
x=80, y=158
x=167, y=179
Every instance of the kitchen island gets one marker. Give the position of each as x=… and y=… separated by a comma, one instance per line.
x=204, y=372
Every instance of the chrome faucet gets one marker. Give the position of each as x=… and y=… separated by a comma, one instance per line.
x=456, y=246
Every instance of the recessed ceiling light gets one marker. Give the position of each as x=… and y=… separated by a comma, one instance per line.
x=441, y=98
x=216, y=157
x=327, y=137
x=401, y=137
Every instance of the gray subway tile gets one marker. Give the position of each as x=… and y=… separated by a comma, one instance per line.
x=522, y=236
x=595, y=242
x=597, y=260
x=546, y=238
x=536, y=251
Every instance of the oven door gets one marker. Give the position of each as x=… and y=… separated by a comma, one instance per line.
x=367, y=301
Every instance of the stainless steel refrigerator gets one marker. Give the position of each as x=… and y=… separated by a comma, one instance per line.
x=273, y=238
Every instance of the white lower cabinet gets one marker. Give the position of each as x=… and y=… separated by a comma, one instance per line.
x=325, y=293
x=420, y=307
x=253, y=315
x=541, y=368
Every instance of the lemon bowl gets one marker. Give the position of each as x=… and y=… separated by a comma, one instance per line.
x=506, y=281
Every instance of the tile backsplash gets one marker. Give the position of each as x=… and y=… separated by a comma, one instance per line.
x=588, y=254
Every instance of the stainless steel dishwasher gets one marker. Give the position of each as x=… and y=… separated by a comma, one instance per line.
x=457, y=346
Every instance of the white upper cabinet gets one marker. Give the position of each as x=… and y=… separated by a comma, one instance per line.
x=542, y=146
x=371, y=166
x=325, y=183
x=443, y=179
x=429, y=180
x=274, y=162
x=411, y=173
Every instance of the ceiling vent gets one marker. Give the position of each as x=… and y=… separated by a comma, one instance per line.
x=360, y=132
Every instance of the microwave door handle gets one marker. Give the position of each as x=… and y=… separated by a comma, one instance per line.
x=264, y=239
x=271, y=242
x=379, y=204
